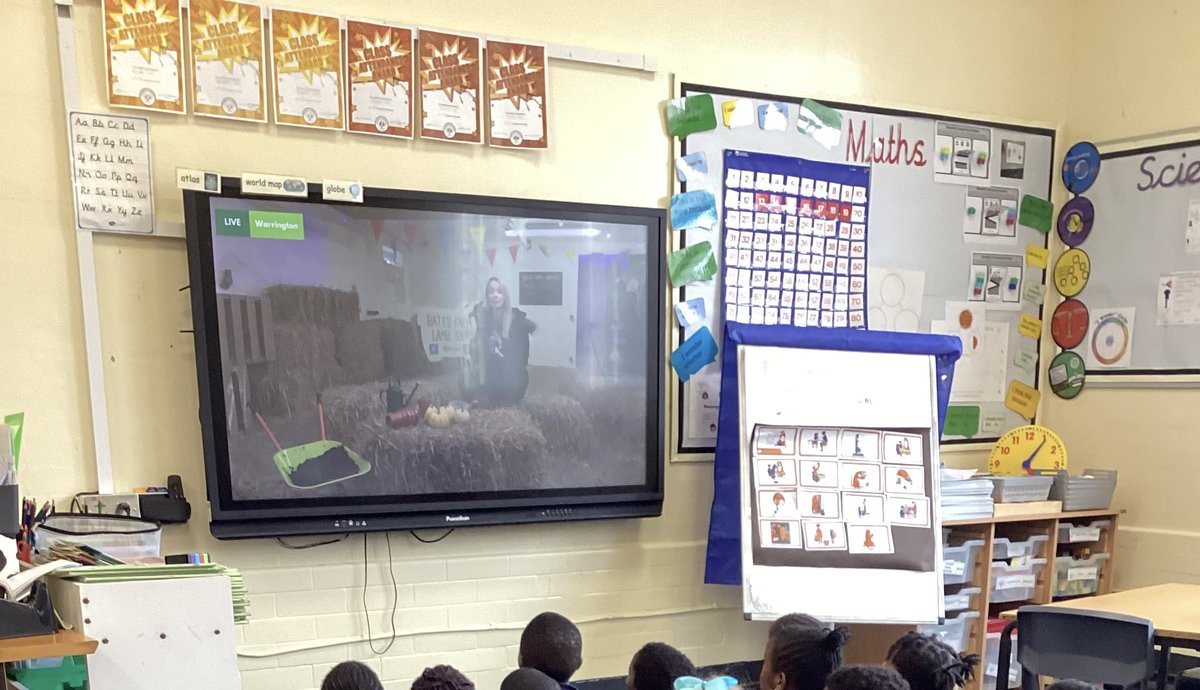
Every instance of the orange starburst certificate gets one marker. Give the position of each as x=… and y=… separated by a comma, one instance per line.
x=517, y=97
x=143, y=44
x=451, y=76
x=379, y=78
x=306, y=50
x=227, y=59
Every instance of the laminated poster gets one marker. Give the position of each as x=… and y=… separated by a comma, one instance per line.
x=517, y=96
x=379, y=78
x=227, y=59
x=307, y=52
x=143, y=43
x=451, y=75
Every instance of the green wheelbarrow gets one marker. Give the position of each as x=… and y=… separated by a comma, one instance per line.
x=316, y=464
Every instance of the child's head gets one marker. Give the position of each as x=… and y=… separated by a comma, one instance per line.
x=351, y=675
x=927, y=663
x=801, y=653
x=528, y=679
x=1071, y=685
x=866, y=678
x=656, y=666
x=552, y=644
x=442, y=678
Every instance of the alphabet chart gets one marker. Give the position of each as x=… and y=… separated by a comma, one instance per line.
x=110, y=168
x=795, y=241
x=819, y=491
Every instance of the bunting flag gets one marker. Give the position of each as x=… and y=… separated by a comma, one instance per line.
x=445, y=239
x=477, y=234
x=545, y=252
x=571, y=254
x=410, y=235
x=491, y=255
x=513, y=250
x=377, y=229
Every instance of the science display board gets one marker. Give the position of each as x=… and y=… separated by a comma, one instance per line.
x=928, y=205
x=839, y=499
x=1143, y=284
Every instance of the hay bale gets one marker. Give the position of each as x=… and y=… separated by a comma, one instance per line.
x=402, y=353
x=562, y=420
x=356, y=409
x=305, y=364
x=312, y=305
x=617, y=412
x=497, y=450
x=360, y=351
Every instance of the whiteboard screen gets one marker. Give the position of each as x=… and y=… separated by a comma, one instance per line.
x=839, y=499
x=1147, y=205
x=929, y=240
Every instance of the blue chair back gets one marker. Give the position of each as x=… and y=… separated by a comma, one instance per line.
x=1092, y=646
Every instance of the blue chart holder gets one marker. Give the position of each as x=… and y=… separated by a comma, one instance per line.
x=724, y=562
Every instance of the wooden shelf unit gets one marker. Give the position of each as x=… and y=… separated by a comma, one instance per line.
x=1019, y=528
x=870, y=643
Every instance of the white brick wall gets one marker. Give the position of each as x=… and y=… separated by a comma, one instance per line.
x=465, y=600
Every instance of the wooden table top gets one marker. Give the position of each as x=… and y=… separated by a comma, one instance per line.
x=1174, y=608
x=61, y=643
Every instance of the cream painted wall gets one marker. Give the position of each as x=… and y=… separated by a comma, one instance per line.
x=463, y=600
x=1128, y=80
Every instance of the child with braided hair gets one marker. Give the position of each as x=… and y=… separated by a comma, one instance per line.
x=928, y=663
x=801, y=653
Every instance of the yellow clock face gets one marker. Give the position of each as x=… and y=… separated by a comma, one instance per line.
x=1028, y=448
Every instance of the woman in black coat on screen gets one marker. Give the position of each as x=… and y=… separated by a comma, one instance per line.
x=502, y=345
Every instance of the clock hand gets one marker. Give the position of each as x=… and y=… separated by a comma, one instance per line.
x=1028, y=464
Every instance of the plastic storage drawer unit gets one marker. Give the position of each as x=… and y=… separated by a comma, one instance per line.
x=961, y=599
x=1073, y=577
x=958, y=562
x=1004, y=549
x=956, y=631
x=1082, y=532
x=1015, y=582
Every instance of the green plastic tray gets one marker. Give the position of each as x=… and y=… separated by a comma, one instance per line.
x=289, y=459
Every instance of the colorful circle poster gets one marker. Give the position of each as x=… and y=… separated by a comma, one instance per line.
x=1067, y=373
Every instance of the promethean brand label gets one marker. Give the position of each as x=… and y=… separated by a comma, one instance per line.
x=269, y=225
x=458, y=518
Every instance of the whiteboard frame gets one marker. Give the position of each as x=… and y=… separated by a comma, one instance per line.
x=1144, y=378
x=675, y=421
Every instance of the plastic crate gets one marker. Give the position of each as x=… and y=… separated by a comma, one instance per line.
x=961, y=599
x=1082, y=532
x=958, y=562
x=1021, y=489
x=955, y=632
x=1004, y=549
x=991, y=660
x=1073, y=577
x=1015, y=582
x=1093, y=490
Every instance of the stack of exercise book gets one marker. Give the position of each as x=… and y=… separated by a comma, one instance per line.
x=965, y=496
x=135, y=572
